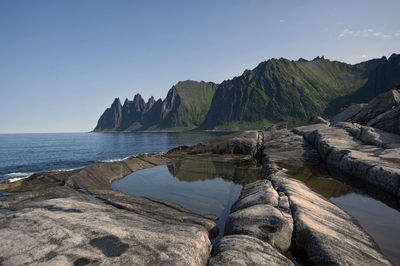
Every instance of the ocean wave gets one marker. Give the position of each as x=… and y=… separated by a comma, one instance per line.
x=114, y=160
x=67, y=169
x=15, y=176
x=18, y=174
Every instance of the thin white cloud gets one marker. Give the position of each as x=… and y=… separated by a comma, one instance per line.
x=364, y=56
x=282, y=21
x=368, y=33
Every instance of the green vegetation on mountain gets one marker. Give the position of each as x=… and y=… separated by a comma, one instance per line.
x=191, y=104
x=284, y=90
x=276, y=90
x=383, y=74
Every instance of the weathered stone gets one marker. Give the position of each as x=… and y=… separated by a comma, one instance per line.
x=246, y=250
x=388, y=121
x=348, y=113
x=369, y=135
x=259, y=192
x=264, y=222
x=382, y=112
x=284, y=202
x=278, y=126
x=324, y=232
x=247, y=142
x=379, y=105
x=375, y=165
x=317, y=120
x=289, y=148
x=96, y=232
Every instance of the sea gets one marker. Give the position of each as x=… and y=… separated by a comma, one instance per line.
x=21, y=155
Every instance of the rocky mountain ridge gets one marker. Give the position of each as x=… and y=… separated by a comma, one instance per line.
x=185, y=107
x=276, y=90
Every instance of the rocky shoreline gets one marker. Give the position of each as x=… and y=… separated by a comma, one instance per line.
x=75, y=217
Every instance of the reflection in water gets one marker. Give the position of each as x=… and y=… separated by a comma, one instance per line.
x=202, y=168
x=380, y=221
x=376, y=211
x=318, y=180
x=199, y=184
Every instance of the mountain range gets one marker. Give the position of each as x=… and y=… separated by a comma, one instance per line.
x=276, y=90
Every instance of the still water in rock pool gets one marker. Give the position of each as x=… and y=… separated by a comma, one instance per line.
x=200, y=185
x=377, y=212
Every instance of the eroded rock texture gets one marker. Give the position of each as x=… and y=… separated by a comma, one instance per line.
x=76, y=218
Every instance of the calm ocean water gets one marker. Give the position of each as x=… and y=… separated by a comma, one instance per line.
x=24, y=154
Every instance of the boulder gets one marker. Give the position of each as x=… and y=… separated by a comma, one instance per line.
x=264, y=222
x=247, y=142
x=379, y=105
x=348, y=113
x=382, y=112
x=317, y=120
x=388, y=121
x=278, y=126
x=246, y=250
x=259, y=192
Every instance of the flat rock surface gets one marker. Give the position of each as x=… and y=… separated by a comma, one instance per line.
x=246, y=250
x=77, y=228
x=76, y=218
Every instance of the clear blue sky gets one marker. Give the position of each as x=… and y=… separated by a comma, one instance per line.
x=63, y=62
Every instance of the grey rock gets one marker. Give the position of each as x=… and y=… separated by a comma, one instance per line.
x=369, y=135
x=388, y=121
x=382, y=112
x=347, y=114
x=75, y=217
x=246, y=250
x=284, y=202
x=377, y=166
x=98, y=233
x=377, y=106
x=259, y=192
x=264, y=222
x=290, y=149
x=278, y=126
x=317, y=120
x=327, y=234
x=247, y=142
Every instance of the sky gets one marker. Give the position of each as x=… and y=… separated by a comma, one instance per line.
x=62, y=63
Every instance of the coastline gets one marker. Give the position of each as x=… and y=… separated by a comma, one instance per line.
x=258, y=204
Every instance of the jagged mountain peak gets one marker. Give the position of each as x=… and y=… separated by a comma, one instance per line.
x=186, y=105
x=275, y=90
